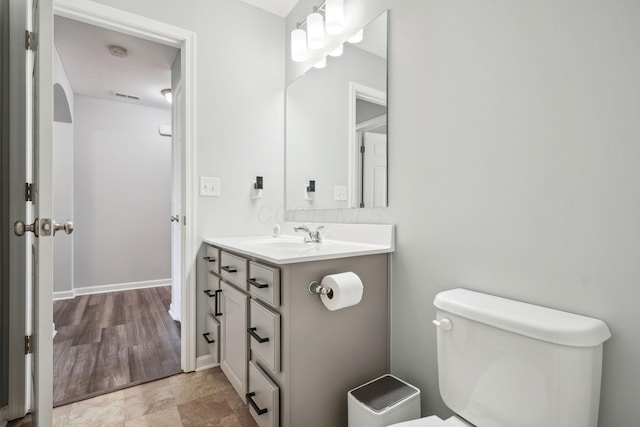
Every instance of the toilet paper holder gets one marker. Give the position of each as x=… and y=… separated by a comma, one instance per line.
x=316, y=288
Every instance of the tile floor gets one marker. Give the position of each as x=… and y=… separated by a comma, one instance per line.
x=204, y=398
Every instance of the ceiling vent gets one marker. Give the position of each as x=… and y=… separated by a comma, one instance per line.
x=126, y=96
x=118, y=51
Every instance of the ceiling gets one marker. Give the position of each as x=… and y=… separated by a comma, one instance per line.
x=277, y=7
x=93, y=71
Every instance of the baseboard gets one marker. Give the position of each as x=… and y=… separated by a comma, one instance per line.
x=63, y=295
x=205, y=362
x=115, y=287
x=173, y=314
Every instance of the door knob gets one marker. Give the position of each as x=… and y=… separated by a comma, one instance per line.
x=175, y=218
x=67, y=226
x=19, y=228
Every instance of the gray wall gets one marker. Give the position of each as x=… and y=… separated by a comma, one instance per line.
x=519, y=121
x=122, y=184
x=62, y=182
x=239, y=114
x=317, y=125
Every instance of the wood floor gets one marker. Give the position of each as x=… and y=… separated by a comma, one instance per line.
x=109, y=341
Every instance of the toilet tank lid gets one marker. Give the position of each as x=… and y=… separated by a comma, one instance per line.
x=525, y=319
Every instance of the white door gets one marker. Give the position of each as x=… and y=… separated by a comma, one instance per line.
x=31, y=139
x=176, y=203
x=374, y=170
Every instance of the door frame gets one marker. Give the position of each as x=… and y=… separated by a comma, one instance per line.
x=92, y=13
x=375, y=96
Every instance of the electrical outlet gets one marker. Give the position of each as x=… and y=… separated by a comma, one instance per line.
x=340, y=193
x=209, y=186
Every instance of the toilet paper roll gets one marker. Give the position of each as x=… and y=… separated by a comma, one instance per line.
x=346, y=290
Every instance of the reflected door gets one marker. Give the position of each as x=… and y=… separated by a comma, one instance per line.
x=374, y=170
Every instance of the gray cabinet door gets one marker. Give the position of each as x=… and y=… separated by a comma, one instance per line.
x=233, y=329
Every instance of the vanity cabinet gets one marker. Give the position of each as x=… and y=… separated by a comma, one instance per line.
x=290, y=358
x=233, y=334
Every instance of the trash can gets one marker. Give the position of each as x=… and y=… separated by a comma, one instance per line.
x=383, y=401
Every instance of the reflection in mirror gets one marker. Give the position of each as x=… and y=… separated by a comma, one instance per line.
x=336, y=128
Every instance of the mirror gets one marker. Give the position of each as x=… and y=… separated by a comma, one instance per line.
x=336, y=128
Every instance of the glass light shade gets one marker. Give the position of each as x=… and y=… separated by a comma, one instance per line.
x=167, y=95
x=315, y=31
x=334, y=15
x=337, y=51
x=298, y=45
x=357, y=37
x=321, y=64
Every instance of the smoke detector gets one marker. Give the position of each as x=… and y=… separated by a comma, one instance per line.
x=118, y=51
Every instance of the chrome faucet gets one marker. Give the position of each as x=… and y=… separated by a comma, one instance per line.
x=312, y=236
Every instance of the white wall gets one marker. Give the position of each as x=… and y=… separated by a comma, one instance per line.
x=318, y=123
x=63, y=186
x=513, y=169
x=122, y=184
x=239, y=113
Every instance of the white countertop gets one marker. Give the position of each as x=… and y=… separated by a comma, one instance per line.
x=339, y=241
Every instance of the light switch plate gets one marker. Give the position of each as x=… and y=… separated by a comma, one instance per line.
x=340, y=193
x=209, y=186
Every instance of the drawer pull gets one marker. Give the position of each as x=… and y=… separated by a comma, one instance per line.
x=207, y=292
x=229, y=269
x=257, y=284
x=206, y=337
x=254, y=405
x=252, y=332
x=209, y=258
x=216, y=312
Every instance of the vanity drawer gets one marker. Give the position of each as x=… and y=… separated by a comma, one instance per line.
x=263, y=398
x=212, y=293
x=264, y=334
x=213, y=259
x=212, y=337
x=233, y=269
x=264, y=283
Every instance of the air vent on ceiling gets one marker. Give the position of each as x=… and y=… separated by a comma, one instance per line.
x=126, y=96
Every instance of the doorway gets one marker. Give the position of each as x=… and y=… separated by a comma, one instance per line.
x=107, y=17
x=112, y=173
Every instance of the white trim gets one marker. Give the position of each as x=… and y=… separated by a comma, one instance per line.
x=358, y=91
x=107, y=17
x=173, y=314
x=113, y=287
x=205, y=362
x=58, y=296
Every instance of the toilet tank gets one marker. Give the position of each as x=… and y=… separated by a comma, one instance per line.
x=504, y=363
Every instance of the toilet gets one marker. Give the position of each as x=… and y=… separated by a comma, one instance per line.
x=504, y=363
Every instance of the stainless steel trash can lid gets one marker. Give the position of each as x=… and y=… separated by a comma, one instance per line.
x=383, y=392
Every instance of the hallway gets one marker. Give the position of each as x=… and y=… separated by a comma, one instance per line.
x=109, y=341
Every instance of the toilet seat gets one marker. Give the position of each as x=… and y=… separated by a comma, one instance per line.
x=434, y=421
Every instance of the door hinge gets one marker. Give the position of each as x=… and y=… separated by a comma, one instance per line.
x=362, y=148
x=184, y=220
x=28, y=192
x=28, y=344
x=30, y=40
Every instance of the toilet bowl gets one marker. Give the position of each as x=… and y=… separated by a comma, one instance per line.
x=489, y=346
x=434, y=421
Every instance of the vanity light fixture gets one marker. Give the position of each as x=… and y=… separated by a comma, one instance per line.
x=314, y=36
x=321, y=64
x=167, y=95
x=298, y=45
x=315, y=30
x=337, y=51
x=334, y=15
x=357, y=37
